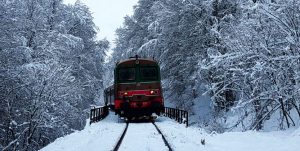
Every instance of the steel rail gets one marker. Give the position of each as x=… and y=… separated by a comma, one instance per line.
x=163, y=137
x=121, y=138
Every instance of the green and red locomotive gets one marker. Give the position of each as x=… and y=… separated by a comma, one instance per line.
x=137, y=88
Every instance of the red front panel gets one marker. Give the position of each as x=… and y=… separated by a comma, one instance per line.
x=152, y=92
x=118, y=104
x=138, y=98
x=139, y=104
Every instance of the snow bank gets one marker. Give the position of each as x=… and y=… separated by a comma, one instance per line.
x=98, y=136
x=296, y=132
x=143, y=136
x=183, y=138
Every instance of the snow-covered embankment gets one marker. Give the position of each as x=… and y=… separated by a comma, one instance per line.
x=102, y=135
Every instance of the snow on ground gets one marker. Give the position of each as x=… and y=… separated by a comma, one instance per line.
x=101, y=136
x=182, y=138
x=142, y=136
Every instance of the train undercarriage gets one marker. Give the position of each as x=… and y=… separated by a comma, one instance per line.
x=134, y=110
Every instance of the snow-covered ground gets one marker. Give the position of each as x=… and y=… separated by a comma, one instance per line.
x=143, y=136
x=182, y=139
x=101, y=136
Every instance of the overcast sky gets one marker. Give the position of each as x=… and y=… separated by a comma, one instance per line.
x=108, y=14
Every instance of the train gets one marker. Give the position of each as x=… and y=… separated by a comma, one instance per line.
x=137, y=90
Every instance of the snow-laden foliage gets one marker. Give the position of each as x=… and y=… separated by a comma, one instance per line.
x=50, y=71
x=244, y=53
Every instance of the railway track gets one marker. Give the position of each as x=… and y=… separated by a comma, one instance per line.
x=119, y=142
x=163, y=137
x=121, y=138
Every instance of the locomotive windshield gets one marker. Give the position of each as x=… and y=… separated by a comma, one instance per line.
x=126, y=74
x=148, y=73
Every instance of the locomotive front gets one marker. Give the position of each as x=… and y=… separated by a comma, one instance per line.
x=138, y=88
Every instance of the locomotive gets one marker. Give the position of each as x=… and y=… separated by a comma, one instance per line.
x=136, y=91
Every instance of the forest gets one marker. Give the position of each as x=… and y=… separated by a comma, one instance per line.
x=243, y=55
x=51, y=69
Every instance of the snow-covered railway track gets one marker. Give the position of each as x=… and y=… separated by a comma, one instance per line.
x=142, y=136
x=163, y=137
x=121, y=138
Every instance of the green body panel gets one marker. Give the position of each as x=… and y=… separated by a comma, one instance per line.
x=137, y=74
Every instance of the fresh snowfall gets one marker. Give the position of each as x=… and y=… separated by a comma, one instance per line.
x=143, y=136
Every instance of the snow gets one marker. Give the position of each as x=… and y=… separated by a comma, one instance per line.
x=202, y=109
x=13, y=122
x=143, y=136
x=182, y=138
x=97, y=136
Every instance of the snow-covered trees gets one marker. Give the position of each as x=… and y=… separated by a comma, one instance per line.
x=50, y=70
x=172, y=32
x=245, y=53
x=261, y=64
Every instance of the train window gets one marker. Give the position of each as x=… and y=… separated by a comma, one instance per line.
x=148, y=73
x=126, y=74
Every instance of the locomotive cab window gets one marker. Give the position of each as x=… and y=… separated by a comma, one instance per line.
x=126, y=74
x=148, y=73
